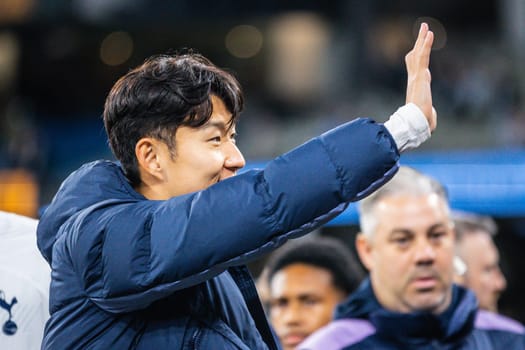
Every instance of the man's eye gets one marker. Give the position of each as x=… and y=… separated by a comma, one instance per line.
x=402, y=241
x=233, y=138
x=437, y=235
x=310, y=301
x=280, y=303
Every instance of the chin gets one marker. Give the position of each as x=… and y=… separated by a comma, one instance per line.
x=436, y=305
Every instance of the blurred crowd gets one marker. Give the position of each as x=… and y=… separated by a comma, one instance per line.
x=304, y=71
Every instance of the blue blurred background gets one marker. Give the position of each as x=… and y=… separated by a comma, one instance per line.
x=306, y=66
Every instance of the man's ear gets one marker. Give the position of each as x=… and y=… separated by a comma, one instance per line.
x=148, y=158
x=364, y=248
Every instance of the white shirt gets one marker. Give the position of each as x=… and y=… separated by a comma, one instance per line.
x=24, y=277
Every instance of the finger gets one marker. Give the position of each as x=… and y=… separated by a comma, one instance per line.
x=423, y=29
x=427, y=47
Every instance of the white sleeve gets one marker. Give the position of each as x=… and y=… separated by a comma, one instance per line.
x=408, y=126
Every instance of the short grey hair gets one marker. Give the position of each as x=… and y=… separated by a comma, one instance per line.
x=407, y=181
x=466, y=223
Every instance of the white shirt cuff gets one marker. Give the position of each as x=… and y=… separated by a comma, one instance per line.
x=408, y=126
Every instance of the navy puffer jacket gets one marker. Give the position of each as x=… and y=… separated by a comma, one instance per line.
x=132, y=273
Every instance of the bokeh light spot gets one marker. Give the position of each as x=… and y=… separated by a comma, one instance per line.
x=116, y=48
x=244, y=41
x=440, y=33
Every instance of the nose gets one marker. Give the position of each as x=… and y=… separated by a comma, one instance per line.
x=234, y=159
x=291, y=315
x=425, y=253
x=500, y=281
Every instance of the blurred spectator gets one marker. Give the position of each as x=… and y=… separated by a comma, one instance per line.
x=409, y=301
x=19, y=136
x=9, y=53
x=306, y=281
x=475, y=247
x=24, y=284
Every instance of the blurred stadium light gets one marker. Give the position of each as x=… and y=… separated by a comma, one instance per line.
x=18, y=192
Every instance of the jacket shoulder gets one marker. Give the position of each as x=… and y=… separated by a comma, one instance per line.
x=338, y=335
x=486, y=320
x=494, y=331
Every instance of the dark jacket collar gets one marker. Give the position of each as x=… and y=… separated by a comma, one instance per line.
x=93, y=183
x=454, y=323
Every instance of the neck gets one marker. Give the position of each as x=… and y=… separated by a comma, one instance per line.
x=148, y=191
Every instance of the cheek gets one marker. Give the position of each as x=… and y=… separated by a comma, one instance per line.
x=322, y=314
x=446, y=258
x=208, y=164
x=277, y=317
x=392, y=263
x=274, y=317
x=486, y=279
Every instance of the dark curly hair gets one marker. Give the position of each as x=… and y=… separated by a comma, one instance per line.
x=165, y=92
x=323, y=252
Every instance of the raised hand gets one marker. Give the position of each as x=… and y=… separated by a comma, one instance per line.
x=419, y=78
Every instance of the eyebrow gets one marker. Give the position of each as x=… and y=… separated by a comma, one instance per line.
x=401, y=230
x=410, y=232
x=219, y=125
x=437, y=226
x=301, y=296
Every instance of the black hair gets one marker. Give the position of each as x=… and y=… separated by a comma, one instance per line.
x=165, y=92
x=326, y=253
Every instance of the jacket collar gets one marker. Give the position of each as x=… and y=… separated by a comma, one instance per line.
x=454, y=323
x=93, y=183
